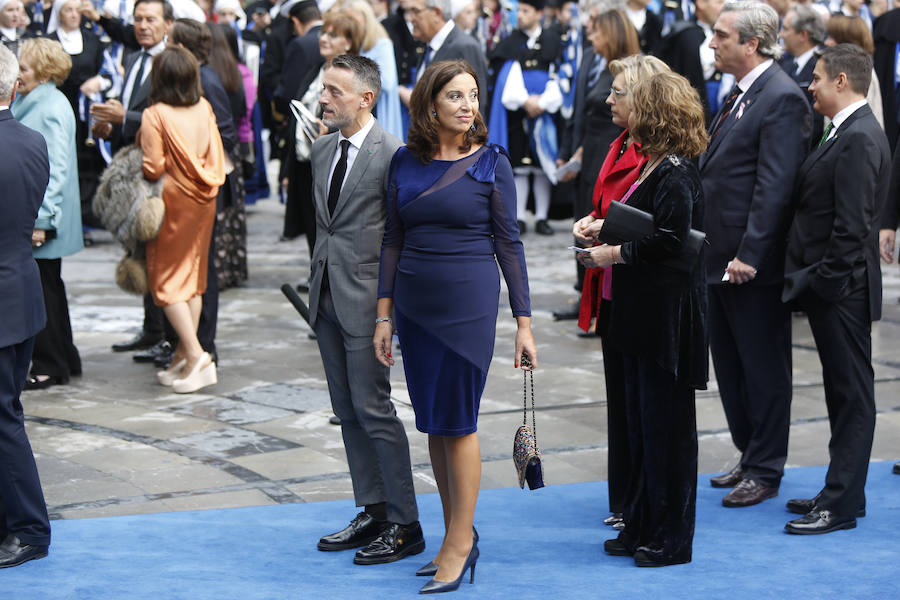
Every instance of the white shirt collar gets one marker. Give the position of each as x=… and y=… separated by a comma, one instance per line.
x=157, y=48
x=4, y=107
x=9, y=33
x=440, y=37
x=533, y=37
x=356, y=140
x=842, y=115
x=803, y=59
x=751, y=77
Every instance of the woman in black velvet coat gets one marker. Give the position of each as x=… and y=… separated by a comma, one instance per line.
x=659, y=322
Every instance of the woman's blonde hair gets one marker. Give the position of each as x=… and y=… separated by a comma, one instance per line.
x=372, y=29
x=637, y=67
x=48, y=60
x=667, y=116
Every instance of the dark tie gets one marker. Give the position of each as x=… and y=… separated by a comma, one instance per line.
x=337, y=179
x=727, y=107
x=140, y=74
x=429, y=56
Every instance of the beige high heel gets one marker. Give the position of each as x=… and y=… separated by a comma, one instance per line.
x=169, y=376
x=202, y=375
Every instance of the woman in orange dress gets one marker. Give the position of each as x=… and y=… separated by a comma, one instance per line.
x=180, y=140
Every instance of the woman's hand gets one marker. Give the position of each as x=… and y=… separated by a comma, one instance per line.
x=91, y=86
x=593, y=229
x=579, y=230
x=525, y=344
x=384, y=331
x=886, y=238
x=38, y=237
x=599, y=256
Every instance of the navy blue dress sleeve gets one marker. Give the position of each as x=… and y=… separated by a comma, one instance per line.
x=507, y=246
x=392, y=242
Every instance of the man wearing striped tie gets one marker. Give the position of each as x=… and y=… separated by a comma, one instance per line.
x=832, y=272
x=758, y=139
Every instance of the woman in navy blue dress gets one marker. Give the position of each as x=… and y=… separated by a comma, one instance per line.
x=451, y=217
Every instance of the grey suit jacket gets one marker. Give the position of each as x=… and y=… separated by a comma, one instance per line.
x=348, y=243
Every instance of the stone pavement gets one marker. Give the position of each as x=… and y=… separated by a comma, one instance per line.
x=115, y=442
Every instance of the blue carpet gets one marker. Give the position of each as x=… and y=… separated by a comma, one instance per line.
x=545, y=544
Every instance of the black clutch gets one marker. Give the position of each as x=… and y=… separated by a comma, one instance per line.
x=625, y=223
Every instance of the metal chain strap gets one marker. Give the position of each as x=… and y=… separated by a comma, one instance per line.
x=526, y=377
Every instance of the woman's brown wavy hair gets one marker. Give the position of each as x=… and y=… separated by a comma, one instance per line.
x=422, y=139
x=667, y=116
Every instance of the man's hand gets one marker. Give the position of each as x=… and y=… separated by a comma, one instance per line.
x=110, y=111
x=405, y=94
x=532, y=107
x=87, y=10
x=886, y=239
x=91, y=86
x=102, y=130
x=739, y=272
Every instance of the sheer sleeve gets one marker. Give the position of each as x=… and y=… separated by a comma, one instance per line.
x=507, y=245
x=672, y=201
x=392, y=242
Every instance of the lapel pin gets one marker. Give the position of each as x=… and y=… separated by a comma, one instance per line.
x=740, y=112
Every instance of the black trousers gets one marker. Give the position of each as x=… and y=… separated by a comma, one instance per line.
x=55, y=353
x=619, y=449
x=299, y=210
x=662, y=429
x=750, y=342
x=843, y=334
x=23, y=511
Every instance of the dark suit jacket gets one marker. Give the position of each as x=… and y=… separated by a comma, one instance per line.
x=460, y=45
x=886, y=33
x=840, y=190
x=281, y=34
x=803, y=79
x=302, y=57
x=218, y=99
x=139, y=100
x=25, y=172
x=748, y=174
x=408, y=50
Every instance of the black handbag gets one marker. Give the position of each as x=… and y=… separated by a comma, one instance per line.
x=526, y=454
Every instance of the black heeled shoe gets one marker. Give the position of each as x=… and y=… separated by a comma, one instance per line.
x=431, y=568
x=34, y=382
x=439, y=587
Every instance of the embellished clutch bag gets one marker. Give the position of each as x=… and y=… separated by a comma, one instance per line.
x=526, y=454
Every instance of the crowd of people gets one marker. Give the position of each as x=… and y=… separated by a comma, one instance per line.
x=752, y=141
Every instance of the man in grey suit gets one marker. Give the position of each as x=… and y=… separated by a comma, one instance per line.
x=349, y=172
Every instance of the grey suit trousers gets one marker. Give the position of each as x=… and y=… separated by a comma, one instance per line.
x=374, y=437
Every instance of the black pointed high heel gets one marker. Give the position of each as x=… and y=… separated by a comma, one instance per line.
x=439, y=587
x=431, y=568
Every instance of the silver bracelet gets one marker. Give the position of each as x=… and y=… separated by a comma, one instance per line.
x=384, y=320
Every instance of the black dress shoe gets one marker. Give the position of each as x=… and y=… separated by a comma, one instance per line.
x=729, y=479
x=803, y=506
x=42, y=382
x=614, y=518
x=566, y=314
x=395, y=542
x=160, y=350
x=139, y=342
x=522, y=226
x=13, y=552
x=897, y=468
x=644, y=559
x=334, y=420
x=747, y=493
x=819, y=521
x=542, y=227
x=361, y=531
x=614, y=547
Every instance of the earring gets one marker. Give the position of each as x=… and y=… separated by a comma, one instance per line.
x=434, y=113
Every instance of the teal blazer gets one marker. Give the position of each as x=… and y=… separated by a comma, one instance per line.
x=46, y=110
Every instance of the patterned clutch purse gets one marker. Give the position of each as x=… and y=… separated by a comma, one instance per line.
x=526, y=454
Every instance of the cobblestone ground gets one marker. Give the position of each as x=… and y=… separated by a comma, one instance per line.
x=116, y=442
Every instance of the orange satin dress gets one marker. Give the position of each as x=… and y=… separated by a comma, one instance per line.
x=183, y=144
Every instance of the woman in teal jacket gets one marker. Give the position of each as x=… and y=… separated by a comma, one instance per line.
x=43, y=64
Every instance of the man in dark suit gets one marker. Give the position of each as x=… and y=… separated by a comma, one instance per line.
x=301, y=66
x=119, y=121
x=889, y=222
x=24, y=171
x=886, y=34
x=433, y=25
x=407, y=49
x=832, y=272
x=350, y=171
x=802, y=31
x=757, y=141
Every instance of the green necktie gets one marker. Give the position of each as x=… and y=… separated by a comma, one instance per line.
x=826, y=134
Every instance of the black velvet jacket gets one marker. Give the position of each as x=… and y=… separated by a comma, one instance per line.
x=659, y=313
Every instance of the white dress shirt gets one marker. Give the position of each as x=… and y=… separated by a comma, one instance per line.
x=435, y=44
x=751, y=77
x=802, y=60
x=356, y=141
x=842, y=115
x=130, y=84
